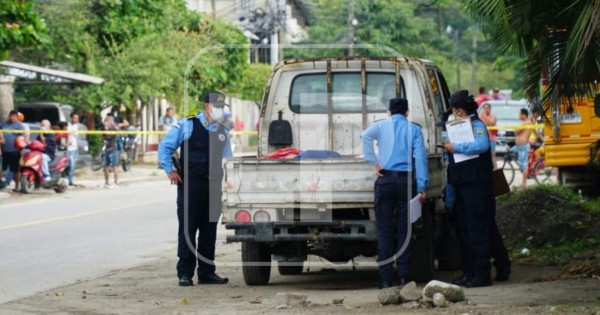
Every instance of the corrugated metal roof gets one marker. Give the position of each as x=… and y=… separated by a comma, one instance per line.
x=79, y=77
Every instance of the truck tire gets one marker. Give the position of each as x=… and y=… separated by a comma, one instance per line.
x=290, y=270
x=253, y=253
x=447, y=244
x=423, y=255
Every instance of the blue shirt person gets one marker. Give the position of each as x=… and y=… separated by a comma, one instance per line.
x=475, y=202
x=204, y=142
x=401, y=167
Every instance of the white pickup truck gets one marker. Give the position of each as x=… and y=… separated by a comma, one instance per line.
x=287, y=209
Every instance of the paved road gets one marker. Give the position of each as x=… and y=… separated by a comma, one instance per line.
x=54, y=240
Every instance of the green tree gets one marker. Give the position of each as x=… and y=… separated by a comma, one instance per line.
x=561, y=37
x=20, y=26
x=140, y=47
x=115, y=23
x=253, y=81
x=441, y=31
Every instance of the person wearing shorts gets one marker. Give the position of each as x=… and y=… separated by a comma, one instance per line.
x=522, y=143
x=111, y=152
x=523, y=151
x=10, y=153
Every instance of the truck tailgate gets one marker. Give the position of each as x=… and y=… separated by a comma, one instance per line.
x=306, y=181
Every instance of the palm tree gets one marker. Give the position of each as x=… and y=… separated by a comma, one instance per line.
x=559, y=38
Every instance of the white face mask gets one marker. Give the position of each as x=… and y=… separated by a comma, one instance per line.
x=217, y=114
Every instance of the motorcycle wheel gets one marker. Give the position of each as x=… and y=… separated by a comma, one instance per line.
x=27, y=186
x=126, y=165
x=96, y=164
x=61, y=186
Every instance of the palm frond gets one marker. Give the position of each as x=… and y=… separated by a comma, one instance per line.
x=559, y=38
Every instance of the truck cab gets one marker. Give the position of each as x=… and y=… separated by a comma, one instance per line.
x=287, y=209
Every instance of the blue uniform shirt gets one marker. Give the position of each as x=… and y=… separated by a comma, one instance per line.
x=181, y=131
x=396, y=138
x=481, y=143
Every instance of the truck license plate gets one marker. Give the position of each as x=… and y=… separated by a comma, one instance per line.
x=573, y=118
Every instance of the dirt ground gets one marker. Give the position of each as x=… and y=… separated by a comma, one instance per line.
x=152, y=289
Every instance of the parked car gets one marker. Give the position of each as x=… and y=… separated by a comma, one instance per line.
x=35, y=112
x=507, y=114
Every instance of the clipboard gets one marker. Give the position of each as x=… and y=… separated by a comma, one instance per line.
x=461, y=131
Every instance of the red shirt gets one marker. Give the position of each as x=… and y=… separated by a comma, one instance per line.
x=482, y=98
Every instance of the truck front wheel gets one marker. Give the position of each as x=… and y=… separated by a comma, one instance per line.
x=256, y=263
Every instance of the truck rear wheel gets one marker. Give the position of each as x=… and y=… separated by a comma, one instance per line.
x=423, y=256
x=291, y=269
x=256, y=263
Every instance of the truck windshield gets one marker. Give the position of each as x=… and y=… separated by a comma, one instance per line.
x=309, y=92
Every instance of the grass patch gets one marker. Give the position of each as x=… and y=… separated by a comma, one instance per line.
x=554, y=223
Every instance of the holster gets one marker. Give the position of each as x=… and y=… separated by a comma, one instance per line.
x=177, y=166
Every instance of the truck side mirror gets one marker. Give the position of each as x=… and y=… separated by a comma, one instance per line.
x=597, y=105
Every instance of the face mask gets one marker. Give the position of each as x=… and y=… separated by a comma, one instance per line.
x=217, y=114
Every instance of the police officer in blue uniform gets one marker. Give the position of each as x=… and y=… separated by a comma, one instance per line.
x=472, y=181
x=401, y=167
x=204, y=142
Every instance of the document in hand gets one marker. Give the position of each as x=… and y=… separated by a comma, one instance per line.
x=460, y=131
x=415, y=209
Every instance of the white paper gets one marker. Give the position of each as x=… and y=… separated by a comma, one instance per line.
x=460, y=131
x=415, y=209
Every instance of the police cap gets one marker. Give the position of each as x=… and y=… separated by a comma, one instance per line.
x=215, y=98
x=462, y=100
x=398, y=106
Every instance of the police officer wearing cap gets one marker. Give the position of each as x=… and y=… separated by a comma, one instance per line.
x=204, y=142
x=401, y=167
x=475, y=202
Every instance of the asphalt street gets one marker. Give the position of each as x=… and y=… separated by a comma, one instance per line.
x=55, y=240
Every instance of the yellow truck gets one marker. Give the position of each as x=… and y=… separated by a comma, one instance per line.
x=571, y=138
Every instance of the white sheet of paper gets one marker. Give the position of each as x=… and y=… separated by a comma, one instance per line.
x=415, y=209
x=460, y=131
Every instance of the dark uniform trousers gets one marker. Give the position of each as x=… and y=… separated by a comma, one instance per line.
x=474, y=210
x=197, y=210
x=392, y=196
x=498, y=250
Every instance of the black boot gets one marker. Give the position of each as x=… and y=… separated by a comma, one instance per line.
x=212, y=278
x=185, y=281
x=460, y=281
x=478, y=282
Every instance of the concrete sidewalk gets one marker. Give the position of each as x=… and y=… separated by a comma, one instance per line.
x=85, y=178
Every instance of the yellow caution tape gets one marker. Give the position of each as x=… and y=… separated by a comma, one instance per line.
x=109, y=132
x=536, y=126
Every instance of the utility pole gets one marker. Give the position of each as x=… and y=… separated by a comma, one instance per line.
x=474, y=64
x=282, y=18
x=456, y=58
x=213, y=7
x=274, y=30
x=351, y=22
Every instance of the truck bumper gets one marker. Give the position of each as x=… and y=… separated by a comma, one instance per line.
x=359, y=230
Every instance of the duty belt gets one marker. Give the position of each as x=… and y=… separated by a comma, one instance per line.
x=396, y=173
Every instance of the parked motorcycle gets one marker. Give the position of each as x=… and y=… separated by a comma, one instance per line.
x=31, y=169
x=130, y=143
x=127, y=153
